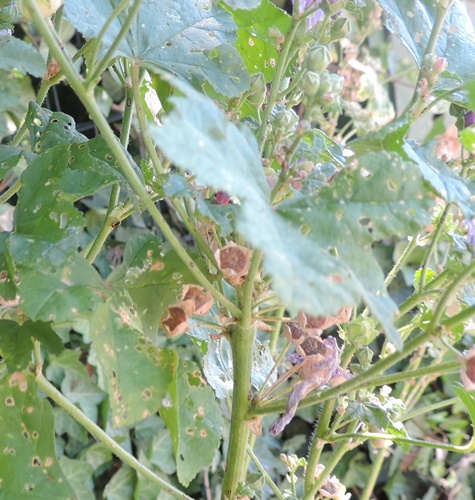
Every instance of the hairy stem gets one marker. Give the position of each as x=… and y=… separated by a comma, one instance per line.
x=242, y=342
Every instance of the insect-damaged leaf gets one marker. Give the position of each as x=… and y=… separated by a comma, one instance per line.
x=193, y=39
x=28, y=464
x=194, y=420
x=138, y=372
x=412, y=22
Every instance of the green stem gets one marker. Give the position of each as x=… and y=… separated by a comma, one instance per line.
x=316, y=447
x=401, y=261
x=428, y=409
x=142, y=117
x=361, y=380
x=101, y=436
x=279, y=73
x=134, y=9
x=460, y=318
x=417, y=103
x=98, y=40
x=337, y=455
x=432, y=246
x=373, y=475
x=263, y=471
x=87, y=98
x=242, y=342
x=12, y=190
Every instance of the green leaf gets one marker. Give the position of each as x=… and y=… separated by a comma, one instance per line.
x=64, y=423
x=308, y=276
x=15, y=94
x=468, y=400
x=121, y=485
x=161, y=451
x=198, y=137
x=21, y=56
x=384, y=196
x=28, y=464
x=194, y=420
x=448, y=184
x=137, y=371
x=10, y=156
x=16, y=342
x=153, y=278
x=192, y=39
x=412, y=21
x=467, y=138
x=54, y=285
x=48, y=129
x=255, y=41
x=242, y=4
x=76, y=384
x=79, y=476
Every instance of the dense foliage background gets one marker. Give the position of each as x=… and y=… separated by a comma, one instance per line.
x=237, y=249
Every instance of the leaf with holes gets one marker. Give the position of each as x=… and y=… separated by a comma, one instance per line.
x=28, y=464
x=199, y=138
x=137, y=371
x=412, y=21
x=54, y=283
x=21, y=56
x=16, y=342
x=152, y=277
x=383, y=196
x=193, y=39
x=194, y=420
x=258, y=32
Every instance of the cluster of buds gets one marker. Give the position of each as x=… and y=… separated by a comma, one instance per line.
x=321, y=89
x=194, y=300
x=317, y=360
x=282, y=123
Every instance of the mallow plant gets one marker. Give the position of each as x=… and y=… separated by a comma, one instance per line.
x=257, y=281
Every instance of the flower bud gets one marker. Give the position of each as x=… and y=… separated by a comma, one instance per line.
x=284, y=120
x=257, y=92
x=310, y=83
x=318, y=58
x=325, y=84
x=340, y=29
x=361, y=332
x=9, y=13
x=332, y=7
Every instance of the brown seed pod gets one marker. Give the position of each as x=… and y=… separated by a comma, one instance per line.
x=234, y=262
x=201, y=300
x=175, y=318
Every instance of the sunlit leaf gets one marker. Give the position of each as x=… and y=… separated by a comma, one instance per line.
x=79, y=475
x=193, y=39
x=137, y=371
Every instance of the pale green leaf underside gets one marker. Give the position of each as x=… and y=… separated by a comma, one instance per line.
x=317, y=249
x=412, y=22
x=193, y=39
x=21, y=56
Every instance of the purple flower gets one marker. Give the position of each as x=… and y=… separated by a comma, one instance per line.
x=470, y=225
x=316, y=17
x=469, y=119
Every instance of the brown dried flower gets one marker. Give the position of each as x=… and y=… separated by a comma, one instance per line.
x=467, y=369
x=201, y=301
x=316, y=324
x=234, y=262
x=175, y=318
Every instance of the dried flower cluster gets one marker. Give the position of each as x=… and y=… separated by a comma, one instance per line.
x=318, y=359
x=194, y=300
